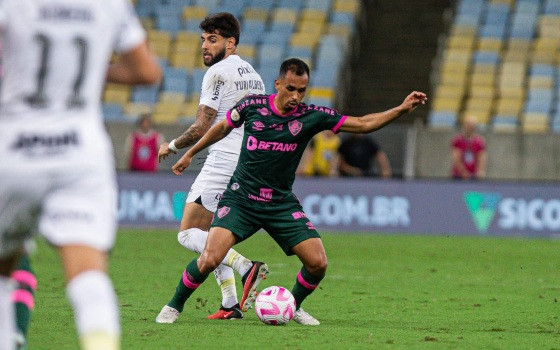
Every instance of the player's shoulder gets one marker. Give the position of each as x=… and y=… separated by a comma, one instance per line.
x=252, y=102
x=241, y=65
x=257, y=96
x=218, y=71
x=254, y=99
x=304, y=108
x=232, y=65
x=225, y=66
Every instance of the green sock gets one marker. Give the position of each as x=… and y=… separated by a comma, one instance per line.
x=23, y=316
x=192, y=278
x=305, y=285
x=24, y=294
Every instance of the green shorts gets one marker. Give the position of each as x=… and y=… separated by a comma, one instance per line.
x=284, y=221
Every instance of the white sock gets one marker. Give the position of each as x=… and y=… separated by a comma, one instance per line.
x=95, y=309
x=7, y=315
x=194, y=239
x=226, y=280
x=238, y=262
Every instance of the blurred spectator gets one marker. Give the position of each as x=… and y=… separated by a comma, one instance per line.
x=142, y=146
x=321, y=157
x=468, y=150
x=356, y=154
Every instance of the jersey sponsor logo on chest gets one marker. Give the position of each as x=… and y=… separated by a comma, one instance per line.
x=254, y=144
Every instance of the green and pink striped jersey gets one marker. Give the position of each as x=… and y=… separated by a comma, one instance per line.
x=273, y=144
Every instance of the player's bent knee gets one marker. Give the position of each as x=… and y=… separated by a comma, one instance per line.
x=318, y=267
x=208, y=263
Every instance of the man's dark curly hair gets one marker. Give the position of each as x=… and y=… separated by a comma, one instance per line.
x=224, y=24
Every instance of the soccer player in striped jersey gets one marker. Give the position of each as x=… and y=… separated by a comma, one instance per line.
x=277, y=128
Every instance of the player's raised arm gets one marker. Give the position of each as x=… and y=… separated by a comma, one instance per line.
x=374, y=121
x=215, y=134
x=204, y=118
x=137, y=66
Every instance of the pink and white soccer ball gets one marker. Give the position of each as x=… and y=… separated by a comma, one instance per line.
x=275, y=305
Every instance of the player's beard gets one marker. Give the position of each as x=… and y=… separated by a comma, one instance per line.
x=219, y=56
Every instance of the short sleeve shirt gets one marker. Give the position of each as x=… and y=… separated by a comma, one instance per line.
x=48, y=71
x=55, y=56
x=223, y=85
x=273, y=144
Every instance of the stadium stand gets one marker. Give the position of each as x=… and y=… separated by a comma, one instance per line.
x=133, y=109
x=500, y=62
x=112, y=111
x=317, y=31
x=293, y=4
x=145, y=94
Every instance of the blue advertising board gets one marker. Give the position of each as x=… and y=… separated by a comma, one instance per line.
x=371, y=205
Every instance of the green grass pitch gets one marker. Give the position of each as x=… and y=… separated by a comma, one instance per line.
x=381, y=291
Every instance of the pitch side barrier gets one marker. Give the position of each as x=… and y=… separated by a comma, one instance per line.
x=368, y=205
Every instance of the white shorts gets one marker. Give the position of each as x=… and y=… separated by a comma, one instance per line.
x=212, y=180
x=67, y=208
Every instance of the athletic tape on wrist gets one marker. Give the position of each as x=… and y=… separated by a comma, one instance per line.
x=172, y=146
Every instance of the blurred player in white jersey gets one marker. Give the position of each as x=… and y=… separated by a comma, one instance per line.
x=58, y=174
x=228, y=79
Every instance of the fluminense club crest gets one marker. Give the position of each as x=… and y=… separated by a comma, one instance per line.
x=223, y=211
x=295, y=127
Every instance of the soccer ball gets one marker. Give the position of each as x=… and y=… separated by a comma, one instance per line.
x=275, y=305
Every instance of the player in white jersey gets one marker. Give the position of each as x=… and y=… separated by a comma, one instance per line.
x=228, y=79
x=58, y=174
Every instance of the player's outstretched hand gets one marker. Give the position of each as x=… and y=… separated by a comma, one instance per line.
x=413, y=100
x=164, y=151
x=182, y=164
